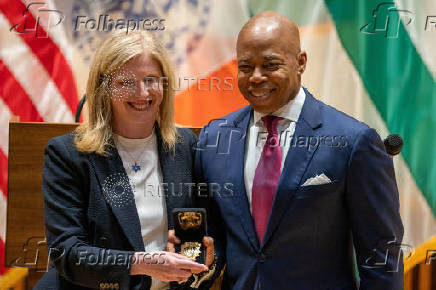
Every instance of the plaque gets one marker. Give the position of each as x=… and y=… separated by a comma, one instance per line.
x=190, y=227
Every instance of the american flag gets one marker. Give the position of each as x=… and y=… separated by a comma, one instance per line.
x=36, y=77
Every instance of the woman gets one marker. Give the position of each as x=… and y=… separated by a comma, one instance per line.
x=106, y=214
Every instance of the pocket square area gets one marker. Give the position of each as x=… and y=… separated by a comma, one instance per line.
x=317, y=180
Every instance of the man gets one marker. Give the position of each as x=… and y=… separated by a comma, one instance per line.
x=307, y=182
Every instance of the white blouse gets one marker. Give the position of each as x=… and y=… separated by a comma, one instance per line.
x=141, y=161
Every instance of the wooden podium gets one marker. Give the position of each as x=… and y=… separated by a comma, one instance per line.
x=25, y=232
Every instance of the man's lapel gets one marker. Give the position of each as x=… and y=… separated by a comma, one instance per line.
x=235, y=173
x=117, y=192
x=297, y=160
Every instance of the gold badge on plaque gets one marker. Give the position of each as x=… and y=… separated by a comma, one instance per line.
x=190, y=226
x=190, y=249
x=189, y=220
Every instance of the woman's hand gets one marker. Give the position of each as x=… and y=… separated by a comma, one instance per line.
x=165, y=266
x=207, y=242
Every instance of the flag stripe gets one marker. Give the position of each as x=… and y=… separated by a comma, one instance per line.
x=398, y=82
x=15, y=97
x=58, y=33
x=45, y=50
x=218, y=91
x=5, y=117
x=420, y=31
x=2, y=257
x=38, y=85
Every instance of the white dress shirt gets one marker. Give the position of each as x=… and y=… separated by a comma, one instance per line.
x=257, y=134
x=146, y=185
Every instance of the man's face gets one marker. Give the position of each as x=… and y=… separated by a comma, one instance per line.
x=269, y=69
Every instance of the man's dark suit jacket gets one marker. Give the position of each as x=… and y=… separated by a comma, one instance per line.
x=308, y=243
x=89, y=208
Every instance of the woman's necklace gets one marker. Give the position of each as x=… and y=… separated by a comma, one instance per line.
x=134, y=165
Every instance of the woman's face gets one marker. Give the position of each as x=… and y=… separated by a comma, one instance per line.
x=136, y=92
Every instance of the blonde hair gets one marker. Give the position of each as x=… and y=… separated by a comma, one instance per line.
x=95, y=133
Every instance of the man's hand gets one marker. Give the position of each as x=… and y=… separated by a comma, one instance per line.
x=165, y=266
x=210, y=250
x=207, y=242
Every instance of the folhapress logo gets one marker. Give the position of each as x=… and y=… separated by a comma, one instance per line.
x=31, y=24
x=386, y=20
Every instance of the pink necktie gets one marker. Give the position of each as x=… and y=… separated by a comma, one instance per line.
x=266, y=177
